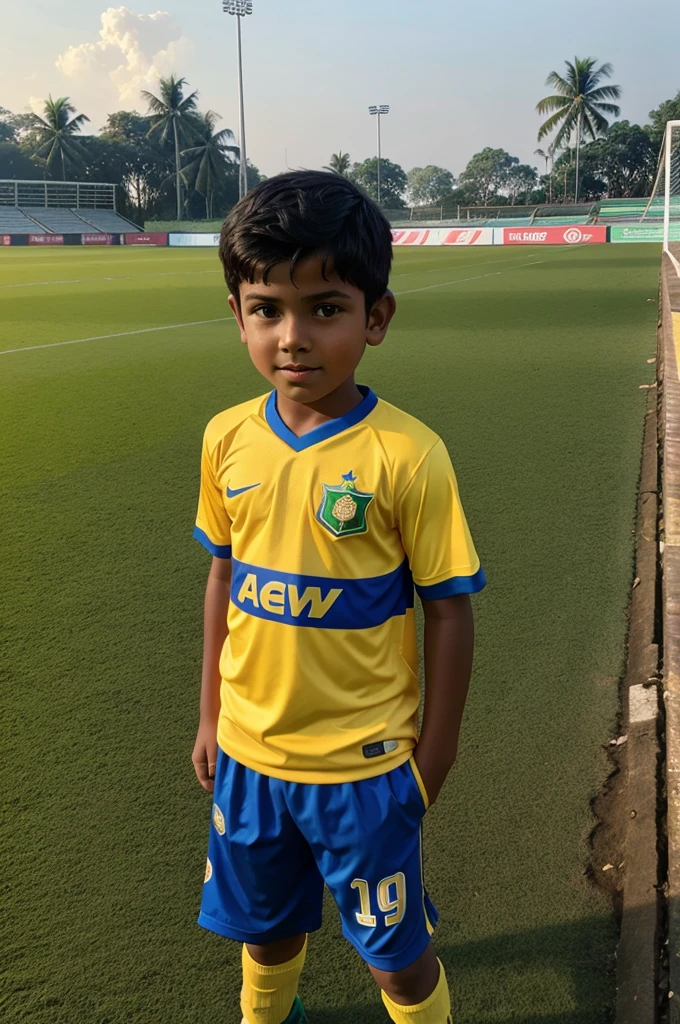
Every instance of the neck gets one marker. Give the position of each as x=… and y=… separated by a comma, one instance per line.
x=301, y=417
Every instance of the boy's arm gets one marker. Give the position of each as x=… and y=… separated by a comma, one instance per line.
x=449, y=643
x=215, y=631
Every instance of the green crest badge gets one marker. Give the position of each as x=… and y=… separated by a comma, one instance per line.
x=343, y=508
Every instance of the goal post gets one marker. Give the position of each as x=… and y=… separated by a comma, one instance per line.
x=663, y=208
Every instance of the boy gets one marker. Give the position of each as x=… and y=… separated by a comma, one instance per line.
x=321, y=505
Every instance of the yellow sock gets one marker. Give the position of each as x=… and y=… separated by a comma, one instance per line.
x=436, y=1009
x=268, y=993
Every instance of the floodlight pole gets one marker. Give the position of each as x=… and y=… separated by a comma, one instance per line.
x=379, y=111
x=240, y=8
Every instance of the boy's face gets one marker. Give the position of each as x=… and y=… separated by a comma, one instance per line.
x=308, y=337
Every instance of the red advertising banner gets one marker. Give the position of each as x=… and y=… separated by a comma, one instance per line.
x=410, y=237
x=6, y=239
x=587, y=234
x=45, y=239
x=469, y=236
x=153, y=238
x=96, y=239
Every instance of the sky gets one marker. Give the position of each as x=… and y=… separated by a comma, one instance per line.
x=457, y=76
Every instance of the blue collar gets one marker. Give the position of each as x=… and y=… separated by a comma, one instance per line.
x=326, y=430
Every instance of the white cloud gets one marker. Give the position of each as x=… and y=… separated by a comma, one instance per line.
x=132, y=52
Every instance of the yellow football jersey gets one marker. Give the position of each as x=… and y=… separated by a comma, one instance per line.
x=328, y=533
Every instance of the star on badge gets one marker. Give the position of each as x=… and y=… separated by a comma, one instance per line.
x=343, y=508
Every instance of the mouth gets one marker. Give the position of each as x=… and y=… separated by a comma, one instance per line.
x=298, y=371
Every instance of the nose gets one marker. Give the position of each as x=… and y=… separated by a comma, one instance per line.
x=293, y=337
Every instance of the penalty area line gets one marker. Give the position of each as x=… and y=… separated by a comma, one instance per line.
x=120, y=334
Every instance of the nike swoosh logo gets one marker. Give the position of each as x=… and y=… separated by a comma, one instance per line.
x=239, y=490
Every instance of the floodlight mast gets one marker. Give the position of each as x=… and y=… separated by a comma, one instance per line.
x=240, y=8
x=380, y=110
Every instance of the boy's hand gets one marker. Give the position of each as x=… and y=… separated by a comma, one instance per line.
x=204, y=756
x=433, y=772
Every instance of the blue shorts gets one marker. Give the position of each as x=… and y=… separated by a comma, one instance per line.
x=273, y=845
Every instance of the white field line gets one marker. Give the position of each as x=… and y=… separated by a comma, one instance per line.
x=169, y=273
x=462, y=280
x=174, y=273
x=222, y=319
x=116, y=277
x=462, y=266
x=121, y=334
x=483, y=263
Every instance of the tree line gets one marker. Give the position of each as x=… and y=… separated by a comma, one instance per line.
x=172, y=162
x=587, y=158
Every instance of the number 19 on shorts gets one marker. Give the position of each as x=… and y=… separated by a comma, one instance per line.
x=391, y=896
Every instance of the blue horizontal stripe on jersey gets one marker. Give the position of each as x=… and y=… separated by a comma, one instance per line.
x=456, y=585
x=322, y=602
x=218, y=550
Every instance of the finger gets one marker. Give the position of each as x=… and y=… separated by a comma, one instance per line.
x=203, y=775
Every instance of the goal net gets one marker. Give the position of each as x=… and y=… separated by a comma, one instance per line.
x=663, y=209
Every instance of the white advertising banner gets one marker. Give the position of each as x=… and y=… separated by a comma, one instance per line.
x=203, y=239
x=442, y=236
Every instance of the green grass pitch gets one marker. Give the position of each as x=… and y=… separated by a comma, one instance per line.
x=528, y=362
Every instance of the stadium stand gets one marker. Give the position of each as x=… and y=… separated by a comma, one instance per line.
x=14, y=222
x=60, y=208
x=621, y=211
x=108, y=221
x=560, y=220
x=60, y=222
x=507, y=222
x=569, y=213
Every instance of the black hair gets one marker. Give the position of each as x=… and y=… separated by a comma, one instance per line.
x=293, y=215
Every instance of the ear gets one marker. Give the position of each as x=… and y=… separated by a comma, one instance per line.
x=379, y=318
x=236, y=310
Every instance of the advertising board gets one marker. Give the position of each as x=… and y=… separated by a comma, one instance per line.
x=468, y=236
x=442, y=236
x=585, y=234
x=147, y=238
x=100, y=239
x=194, y=239
x=5, y=239
x=45, y=239
x=643, y=233
x=410, y=236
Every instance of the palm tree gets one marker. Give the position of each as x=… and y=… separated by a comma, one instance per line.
x=579, y=103
x=340, y=164
x=548, y=155
x=211, y=156
x=54, y=134
x=173, y=112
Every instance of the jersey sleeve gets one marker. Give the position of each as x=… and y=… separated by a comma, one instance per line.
x=213, y=528
x=435, y=533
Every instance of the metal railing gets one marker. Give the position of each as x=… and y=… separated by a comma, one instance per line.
x=86, y=195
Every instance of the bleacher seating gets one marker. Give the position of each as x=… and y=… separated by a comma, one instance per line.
x=508, y=222
x=619, y=211
x=559, y=221
x=108, y=221
x=59, y=221
x=14, y=222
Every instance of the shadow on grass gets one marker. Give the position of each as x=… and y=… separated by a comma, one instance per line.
x=520, y=978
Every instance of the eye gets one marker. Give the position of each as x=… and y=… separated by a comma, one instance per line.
x=266, y=312
x=327, y=310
